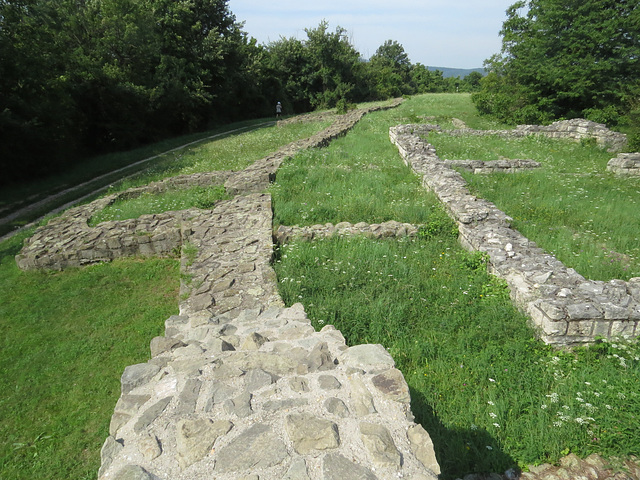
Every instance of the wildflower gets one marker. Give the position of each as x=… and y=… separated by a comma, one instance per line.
x=491, y=380
x=557, y=424
x=497, y=425
x=474, y=426
x=543, y=406
x=489, y=447
x=621, y=396
x=608, y=407
x=580, y=420
x=490, y=402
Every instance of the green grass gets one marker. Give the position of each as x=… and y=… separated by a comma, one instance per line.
x=66, y=339
x=489, y=393
x=571, y=207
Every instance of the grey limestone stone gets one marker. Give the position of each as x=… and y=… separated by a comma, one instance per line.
x=254, y=341
x=338, y=467
x=336, y=407
x=256, y=447
x=110, y=449
x=133, y=472
x=361, y=397
x=149, y=447
x=422, y=448
x=297, y=470
x=309, y=433
x=367, y=357
x=299, y=384
x=188, y=398
x=328, y=382
x=136, y=375
x=256, y=379
x=378, y=442
x=284, y=405
x=239, y=406
x=194, y=438
x=392, y=384
x=151, y=414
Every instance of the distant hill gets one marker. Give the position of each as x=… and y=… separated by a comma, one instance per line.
x=457, y=72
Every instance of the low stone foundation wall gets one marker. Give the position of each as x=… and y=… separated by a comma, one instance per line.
x=493, y=166
x=241, y=387
x=576, y=129
x=286, y=234
x=625, y=164
x=566, y=308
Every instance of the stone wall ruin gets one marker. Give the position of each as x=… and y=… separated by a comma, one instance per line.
x=565, y=308
x=240, y=387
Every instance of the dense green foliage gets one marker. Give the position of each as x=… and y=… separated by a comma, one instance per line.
x=575, y=58
x=79, y=78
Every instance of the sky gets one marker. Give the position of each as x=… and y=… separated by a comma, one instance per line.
x=435, y=33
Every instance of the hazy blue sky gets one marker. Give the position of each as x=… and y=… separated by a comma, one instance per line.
x=441, y=33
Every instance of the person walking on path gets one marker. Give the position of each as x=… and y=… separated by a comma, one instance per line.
x=278, y=110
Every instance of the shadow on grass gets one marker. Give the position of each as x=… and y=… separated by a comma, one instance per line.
x=460, y=451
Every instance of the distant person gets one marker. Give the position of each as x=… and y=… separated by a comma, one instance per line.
x=278, y=110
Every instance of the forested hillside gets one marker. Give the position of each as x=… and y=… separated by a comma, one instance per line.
x=81, y=77
x=567, y=59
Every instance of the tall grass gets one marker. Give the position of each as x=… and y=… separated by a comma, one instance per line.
x=572, y=207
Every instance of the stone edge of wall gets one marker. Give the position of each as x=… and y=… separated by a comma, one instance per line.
x=564, y=307
x=625, y=164
x=575, y=129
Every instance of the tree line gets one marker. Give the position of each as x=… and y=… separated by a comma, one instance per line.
x=83, y=77
x=567, y=59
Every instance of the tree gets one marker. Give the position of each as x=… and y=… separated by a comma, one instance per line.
x=390, y=69
x=564, y=58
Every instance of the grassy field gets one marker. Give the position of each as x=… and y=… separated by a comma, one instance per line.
x=571, y=206
x=490, y=394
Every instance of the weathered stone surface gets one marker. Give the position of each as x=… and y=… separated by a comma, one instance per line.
x=257, y=379
x=392, y=384
x=151, y=414
x=309, y=433
x=336, y=407
x=239, y=406
x=194, y=438
x=110, y=449
x=567, y=309
x=338, y=467
x=257, y=447
x=254, y=342
x=379, y=443
x=149, y=447
x=328, y=382
x=299, y=384
x=366, y=356
x=133, y=472
x=297, y=470
x=136, y=375
x=361, y=398
x=422, y=447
